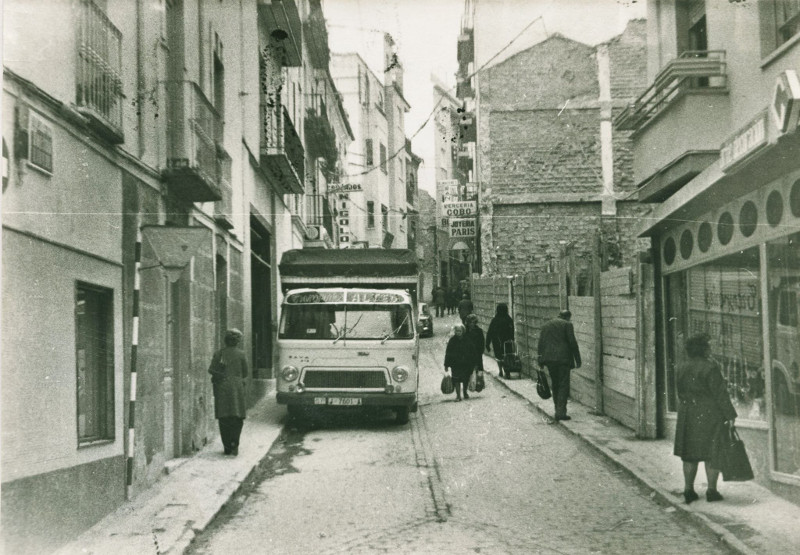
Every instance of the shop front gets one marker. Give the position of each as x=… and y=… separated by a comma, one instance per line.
x=729, y=265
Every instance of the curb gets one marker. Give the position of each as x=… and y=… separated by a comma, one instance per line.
x=723, y=534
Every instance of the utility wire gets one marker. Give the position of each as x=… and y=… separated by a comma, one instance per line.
x=451, y=89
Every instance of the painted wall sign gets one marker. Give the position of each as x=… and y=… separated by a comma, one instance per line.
x=463, y=227
x=744, y=142
x=786, y=101
x=345, y=188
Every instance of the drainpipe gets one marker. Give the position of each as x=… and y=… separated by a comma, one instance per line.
x=140, y=76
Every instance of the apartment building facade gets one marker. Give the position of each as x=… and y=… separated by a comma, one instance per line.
x=725, y=229
x=129, y=127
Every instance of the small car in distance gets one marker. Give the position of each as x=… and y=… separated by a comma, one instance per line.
x=425, y=322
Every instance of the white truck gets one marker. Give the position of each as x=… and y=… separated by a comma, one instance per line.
x=347, y=334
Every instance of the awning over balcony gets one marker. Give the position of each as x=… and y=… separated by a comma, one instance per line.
x=675, y=175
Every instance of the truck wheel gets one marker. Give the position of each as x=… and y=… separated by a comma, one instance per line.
x=401, y=415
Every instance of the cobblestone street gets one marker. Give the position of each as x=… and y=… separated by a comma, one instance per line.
x=488, y=475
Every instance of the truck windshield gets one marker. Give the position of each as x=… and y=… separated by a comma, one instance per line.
x=346, y=321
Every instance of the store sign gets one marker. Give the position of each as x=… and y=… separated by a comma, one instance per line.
x=745, y=142
x=463, y=227
x=460, y=209
x=786, y=101
x=345, y=188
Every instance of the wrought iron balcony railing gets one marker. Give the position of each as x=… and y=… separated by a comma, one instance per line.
x=98, y=83
x=692, y=71
x=193, y=127
x=281, y=149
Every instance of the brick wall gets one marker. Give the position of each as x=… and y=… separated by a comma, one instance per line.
x=528, y=236
x=545, y=151
x=544, y=76
x=628, y=56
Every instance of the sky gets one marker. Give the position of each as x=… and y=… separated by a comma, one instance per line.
x=426, y=33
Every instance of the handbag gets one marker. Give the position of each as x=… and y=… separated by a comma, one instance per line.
x=729, y=455
x=542, y=387
x=447, y=385
x=480, y=383
x=511, y=360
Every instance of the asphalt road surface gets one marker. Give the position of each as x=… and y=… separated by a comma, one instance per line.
x=487, y=475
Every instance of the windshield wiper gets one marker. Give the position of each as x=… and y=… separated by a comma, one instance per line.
x=403, y=323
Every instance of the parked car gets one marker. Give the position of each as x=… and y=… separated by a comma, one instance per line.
x=425, y=322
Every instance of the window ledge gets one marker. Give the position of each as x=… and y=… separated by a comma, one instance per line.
x=94, y=443
x=780, y=51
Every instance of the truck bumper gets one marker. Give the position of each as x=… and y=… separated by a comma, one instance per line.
x=315, y=398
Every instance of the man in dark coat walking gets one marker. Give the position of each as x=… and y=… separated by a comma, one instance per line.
x=439, y=300
x=228, y=371
x=558, y=351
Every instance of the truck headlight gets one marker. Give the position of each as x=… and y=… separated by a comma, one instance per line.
x=289, y=373
x=399, y=374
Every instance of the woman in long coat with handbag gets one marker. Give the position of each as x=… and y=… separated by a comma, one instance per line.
x=704, y=406
x=228, y=370
x=459, y=359
x=501, y=329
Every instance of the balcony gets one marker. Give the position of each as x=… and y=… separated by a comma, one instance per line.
x=223, y=208
x=282, y=152
x=678, y=123
x=466, y=46
x=193, y=125
x=281, y=21
x=98, y=85
x=692, y=72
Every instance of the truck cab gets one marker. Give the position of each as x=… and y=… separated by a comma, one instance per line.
x=347, y=335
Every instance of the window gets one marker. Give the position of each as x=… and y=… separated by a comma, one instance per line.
x=370, y=161
x=40, y=143
x=380, y=101
x=349, y=321
x=94, y=343
x=780, y=21
x=721, y=298
x=218, y=69
x=370, y=214
x=383, y=159
x=787, y=19
x=384, y=217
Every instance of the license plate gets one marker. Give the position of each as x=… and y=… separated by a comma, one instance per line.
x=344, y=401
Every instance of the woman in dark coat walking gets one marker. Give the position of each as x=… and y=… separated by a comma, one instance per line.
x=228, y=370
x=459, y=359
x=704, y=406
x=501, y=329
x=476, y=340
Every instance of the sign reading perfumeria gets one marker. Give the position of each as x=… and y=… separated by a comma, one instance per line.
x=463, y=227
x=744, y=142
x=345, y=188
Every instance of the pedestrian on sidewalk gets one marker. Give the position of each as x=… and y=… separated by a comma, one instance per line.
x=458, y=359
x=439, y=295
x=228, y=370
x=476, y=341
x=465, y=308
x=704, y=406
x=501, y=329
x=452, y=301
x=558, y=351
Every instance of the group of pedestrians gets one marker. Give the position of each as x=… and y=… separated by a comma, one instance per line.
x=445, y=301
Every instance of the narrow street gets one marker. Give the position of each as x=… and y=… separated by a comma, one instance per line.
x=488, y=475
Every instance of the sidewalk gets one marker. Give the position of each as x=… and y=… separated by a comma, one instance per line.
x=751, y=519
x=166, y=517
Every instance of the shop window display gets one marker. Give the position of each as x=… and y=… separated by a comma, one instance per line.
x=721, y=298
x=783, y=268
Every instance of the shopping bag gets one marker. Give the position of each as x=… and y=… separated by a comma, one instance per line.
x=511, y=360
x=472, y=381
x=729, y=455
x=480, y=383
x=447, y=384
x=542, y=387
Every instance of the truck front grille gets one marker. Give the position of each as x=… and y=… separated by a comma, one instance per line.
x=344, y=379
